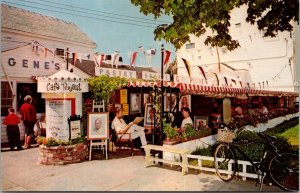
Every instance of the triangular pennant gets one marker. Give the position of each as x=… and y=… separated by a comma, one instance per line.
x=187, y=66
x=166, y=56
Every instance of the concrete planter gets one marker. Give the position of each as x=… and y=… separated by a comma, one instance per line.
x=61, y=155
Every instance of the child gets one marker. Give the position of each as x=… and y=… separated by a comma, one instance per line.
x=13, y=131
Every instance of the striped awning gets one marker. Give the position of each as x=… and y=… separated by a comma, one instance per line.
x=211, y=90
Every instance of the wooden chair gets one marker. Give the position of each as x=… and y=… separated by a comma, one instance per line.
x=98, y=105
x=120, y=141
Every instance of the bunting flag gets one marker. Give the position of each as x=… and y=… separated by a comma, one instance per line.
x=253, y=85
x=233, y=81
x=226, y=80
x=74, y=58
x=132, y=58
x=166, y=56
x=248, y=84
x=45, y=52
x=259, y=85
x=187, y=66
x=141, y=48
x=202, y=71
x=97, y=60
x=241, y=84
x=218, y=82
x=267, y=83
x=263, y=84
x=149, y=54
x=115, y=59
x=101, y=59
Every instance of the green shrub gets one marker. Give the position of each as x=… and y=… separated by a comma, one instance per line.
x=209, y=151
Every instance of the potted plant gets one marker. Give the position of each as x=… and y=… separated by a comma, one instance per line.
x=188, y=131
x=169, y=131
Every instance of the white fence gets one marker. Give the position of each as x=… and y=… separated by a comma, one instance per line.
x=244, y=173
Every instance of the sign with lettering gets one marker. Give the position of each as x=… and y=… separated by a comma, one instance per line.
x=125, y=109
x=57, y=86
x=57, y=114
x=188, y=80
x=113, y=72
x=153, y=75
x=35, y=63
x=226, y=111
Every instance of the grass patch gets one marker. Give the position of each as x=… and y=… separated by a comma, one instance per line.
x=292, y=134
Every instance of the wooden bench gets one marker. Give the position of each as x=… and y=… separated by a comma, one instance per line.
x=149, y=160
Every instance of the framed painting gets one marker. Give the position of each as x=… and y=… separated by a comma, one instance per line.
x=149, y=114
x=169, y=102
x=185, y=101
x=135, y=103
x=147, y=98
x=200, y=122
x=97, y=126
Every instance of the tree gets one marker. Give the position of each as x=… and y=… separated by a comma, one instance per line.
x=196, y=16
x=103, y=87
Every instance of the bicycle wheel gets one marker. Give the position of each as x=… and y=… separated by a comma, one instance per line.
x=284, y=171
x=225, y=162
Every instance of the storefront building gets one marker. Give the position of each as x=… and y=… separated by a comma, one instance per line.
x=34, y=45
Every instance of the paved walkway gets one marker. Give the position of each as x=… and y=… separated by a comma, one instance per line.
x=20, y=172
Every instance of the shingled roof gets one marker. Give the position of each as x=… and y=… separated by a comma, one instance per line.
x=22, y=20
x=88, y=67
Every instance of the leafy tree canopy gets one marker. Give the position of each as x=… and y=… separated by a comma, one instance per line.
x=196, y=16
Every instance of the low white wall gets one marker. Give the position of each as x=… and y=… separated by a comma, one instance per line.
x=210, y=140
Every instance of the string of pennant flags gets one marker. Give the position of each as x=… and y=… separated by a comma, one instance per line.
x=100, y=58
x=261, y=85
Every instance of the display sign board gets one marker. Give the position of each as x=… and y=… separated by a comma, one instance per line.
x=114, y=72
x=123, y=96
x=226, y=111
x=125, y=109
x=57, y=114
x=153, y=75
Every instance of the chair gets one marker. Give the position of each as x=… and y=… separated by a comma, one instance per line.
x=119, y=141
x=98, y=105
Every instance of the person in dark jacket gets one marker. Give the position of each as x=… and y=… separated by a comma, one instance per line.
x=28, y=115
x=13, y=132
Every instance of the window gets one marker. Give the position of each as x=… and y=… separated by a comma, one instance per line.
x=190, y=46
x=24, y=89
x=60, y=52
x=6, y=98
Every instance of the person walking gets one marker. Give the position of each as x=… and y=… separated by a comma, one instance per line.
x=13, y=132
x=28, y=115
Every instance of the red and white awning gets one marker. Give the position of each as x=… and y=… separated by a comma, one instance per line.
x=211, y=90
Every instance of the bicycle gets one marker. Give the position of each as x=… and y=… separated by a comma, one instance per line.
x=281, y=167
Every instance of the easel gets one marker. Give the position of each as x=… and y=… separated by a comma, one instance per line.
x=102, y=144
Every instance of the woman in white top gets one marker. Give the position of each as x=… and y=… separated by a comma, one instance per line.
x=187, y=119
x=121, y=127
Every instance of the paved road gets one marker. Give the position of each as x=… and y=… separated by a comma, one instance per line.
x=20, y=172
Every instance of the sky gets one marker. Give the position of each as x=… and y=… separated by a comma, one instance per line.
x=111, y=24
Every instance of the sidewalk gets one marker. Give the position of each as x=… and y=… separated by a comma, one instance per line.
x=20, y=172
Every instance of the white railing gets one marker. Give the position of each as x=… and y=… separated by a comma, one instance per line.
x=244, y=174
